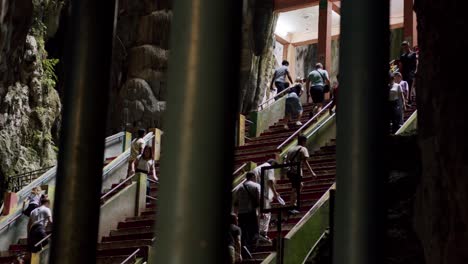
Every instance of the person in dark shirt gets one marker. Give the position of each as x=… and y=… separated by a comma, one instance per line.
x=279, y=77
x=408, y=62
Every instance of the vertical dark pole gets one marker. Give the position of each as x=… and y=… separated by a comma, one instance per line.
x=79, y=179
x=196, y=172
x=361, y=132
x=332, y=220
x=279, y=239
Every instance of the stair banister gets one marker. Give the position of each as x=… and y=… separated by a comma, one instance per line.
x=304, y=125
x=130, y=257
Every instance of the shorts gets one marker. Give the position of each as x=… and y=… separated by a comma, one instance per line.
x=295, y=180
x=317, y=94
x=293, y=104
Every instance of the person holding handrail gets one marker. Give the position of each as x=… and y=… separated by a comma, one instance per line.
x=40, y=218
x=299, y=154
x=34, y=199
x=293, y=104
x=279, y=77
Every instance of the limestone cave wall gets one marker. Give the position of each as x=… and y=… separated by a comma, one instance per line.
x=257, y=54
x=139, y=67
x=306, y=58
x=141, y=51
x=29, y=104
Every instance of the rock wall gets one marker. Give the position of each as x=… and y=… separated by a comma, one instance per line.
x=441, y=206
x=257, y=59
x=141, y=51
x=306, y=58
x=139, y=68
x=29, y=104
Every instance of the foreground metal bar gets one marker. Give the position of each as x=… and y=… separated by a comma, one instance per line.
x=78, y=189
x=196, y=172
x=361, y=124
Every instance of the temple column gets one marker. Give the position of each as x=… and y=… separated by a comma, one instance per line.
x=409, y=22
x=324, y=33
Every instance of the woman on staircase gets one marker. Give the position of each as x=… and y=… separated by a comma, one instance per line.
x=293, y=103
x=145, y=164
x=396, y=104
x=34, y=200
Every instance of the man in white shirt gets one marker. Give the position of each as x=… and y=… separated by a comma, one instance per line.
x=39, y=219
x=246, y=201
x=269, y=193
x=136, y=149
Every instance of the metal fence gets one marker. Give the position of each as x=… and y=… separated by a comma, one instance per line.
x=17, y=182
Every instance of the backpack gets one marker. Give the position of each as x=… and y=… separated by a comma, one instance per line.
x=287, y=161
x=326, y=87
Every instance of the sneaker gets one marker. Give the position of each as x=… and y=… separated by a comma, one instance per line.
x=294, y=212
x=264, y=239
x=298, y=123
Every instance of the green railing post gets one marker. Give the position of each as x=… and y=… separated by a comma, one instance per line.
x=77, y=199
x=196, y=169
x=361, y=130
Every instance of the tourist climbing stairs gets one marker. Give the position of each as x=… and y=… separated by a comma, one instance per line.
x=323, y=162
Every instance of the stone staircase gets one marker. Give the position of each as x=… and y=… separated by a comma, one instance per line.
x=323, y=162
x=131, y=234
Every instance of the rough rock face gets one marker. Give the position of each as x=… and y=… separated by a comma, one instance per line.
x=139, y=73
x=29, y=104
x=306, y=57
x=441, y=208
x=257, y=61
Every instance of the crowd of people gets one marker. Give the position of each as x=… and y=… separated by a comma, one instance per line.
x=401, y=86
x=37, y=204
x=249, y=227
x=317, y=84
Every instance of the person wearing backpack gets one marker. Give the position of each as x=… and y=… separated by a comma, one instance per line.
x=246, y=202
x=318, y=83
x=299, y=154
